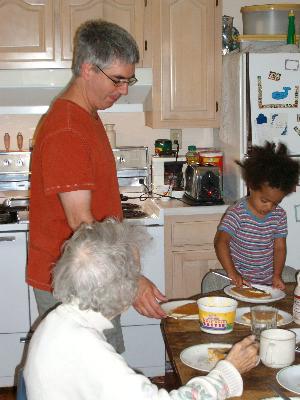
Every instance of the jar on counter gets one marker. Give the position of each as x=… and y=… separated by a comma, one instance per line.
x=111, y=134
x=192, y=156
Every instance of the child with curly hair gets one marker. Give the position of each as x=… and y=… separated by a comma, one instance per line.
x=250, y=242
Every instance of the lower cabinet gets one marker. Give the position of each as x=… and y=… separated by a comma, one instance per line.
x=145, y=349
x=189, y=252
x=12, y=347
x=14, y=303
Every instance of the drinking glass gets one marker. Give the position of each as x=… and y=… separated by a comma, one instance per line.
x=262, y=317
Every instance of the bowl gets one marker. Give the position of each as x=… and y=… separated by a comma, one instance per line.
x=269, y=19
x=217, y=314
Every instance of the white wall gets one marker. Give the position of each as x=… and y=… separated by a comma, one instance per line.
x=233, y=7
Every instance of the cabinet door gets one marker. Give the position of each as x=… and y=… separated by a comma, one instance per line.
x=126, y=13
x=26, y=33
x=14, y=301
x=11, y=354
x=186, y=63
x=189, y=269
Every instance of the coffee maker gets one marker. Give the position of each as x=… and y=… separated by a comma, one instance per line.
x=203, y=185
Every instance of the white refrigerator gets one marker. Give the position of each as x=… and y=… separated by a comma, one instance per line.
x=260, y=101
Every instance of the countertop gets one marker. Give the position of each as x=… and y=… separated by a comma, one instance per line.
x=177, y=207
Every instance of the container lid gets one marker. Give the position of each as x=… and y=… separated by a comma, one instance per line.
x=211, y=154
x=192, y=147
x=270, y=7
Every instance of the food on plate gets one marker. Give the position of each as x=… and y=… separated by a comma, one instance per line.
x=247, y=317
x=250, y=292
x=186, y=309
x=217, y=353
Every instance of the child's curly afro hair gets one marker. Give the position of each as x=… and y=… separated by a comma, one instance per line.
x=272, y=166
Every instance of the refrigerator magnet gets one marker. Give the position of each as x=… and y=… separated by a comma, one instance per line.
x=274, y=76
x=278, y=95
x=292, y=65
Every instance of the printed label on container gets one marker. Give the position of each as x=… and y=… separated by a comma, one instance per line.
x=217, y=321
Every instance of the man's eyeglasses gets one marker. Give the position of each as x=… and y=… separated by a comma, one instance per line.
x=119, y=82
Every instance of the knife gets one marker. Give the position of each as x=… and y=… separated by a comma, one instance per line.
x=278, y=391
x=226, y=277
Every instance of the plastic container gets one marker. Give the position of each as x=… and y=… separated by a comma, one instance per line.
x=111, y=134
x=192, y=156
x=217, y=314
x=214, y=158
x=269, y=19
x=296, y=306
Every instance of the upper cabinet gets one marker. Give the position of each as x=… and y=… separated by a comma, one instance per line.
x=186, y=46
x=39, y=33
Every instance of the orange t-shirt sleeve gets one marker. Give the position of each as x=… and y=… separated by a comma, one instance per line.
x=66, y=171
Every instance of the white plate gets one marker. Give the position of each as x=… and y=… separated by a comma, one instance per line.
x=276, y=294
x=280, y=398
x=197, y=356
x=171, y=305
x=297, y=331
x=289, y=378
x=287, y=318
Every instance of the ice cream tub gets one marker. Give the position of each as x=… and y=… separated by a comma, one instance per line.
x=217, y=314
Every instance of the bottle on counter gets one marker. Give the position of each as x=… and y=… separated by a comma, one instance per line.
x=6, y=141
x=296, y=306
x=111, y=134
x=291, y=35
x=192, y=156
x=20, y=141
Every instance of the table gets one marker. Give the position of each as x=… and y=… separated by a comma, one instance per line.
x=180, y=334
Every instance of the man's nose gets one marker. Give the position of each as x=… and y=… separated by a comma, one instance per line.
x=123, y=89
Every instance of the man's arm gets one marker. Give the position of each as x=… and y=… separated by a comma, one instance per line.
x=77, y=207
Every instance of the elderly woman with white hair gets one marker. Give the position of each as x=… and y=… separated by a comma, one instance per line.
x=69, y=358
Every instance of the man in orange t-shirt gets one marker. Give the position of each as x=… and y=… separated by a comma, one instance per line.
x=73, y=169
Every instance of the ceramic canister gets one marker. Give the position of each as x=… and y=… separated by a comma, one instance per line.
x=217, y=314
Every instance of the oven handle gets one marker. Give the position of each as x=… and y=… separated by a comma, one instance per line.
x=7, y=238
x=152, y=225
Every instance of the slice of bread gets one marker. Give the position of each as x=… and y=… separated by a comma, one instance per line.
x=247, y=317
x=251, y=293
x=217, y=353
x=186, y=309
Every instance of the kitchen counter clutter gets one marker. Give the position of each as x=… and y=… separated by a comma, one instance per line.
x=178, y=207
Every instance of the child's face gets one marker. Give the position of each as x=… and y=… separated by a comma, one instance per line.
x=264, y=200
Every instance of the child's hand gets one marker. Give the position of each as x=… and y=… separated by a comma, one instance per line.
x=236, y=279
x=278, y=283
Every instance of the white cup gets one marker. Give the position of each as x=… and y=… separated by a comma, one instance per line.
x=277, y=347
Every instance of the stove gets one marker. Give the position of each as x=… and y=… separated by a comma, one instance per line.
x=131, y=210
x=14, y=188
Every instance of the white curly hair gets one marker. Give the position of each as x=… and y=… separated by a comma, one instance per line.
x=99, y=268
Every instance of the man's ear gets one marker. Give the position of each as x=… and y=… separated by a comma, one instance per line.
x=86, y=71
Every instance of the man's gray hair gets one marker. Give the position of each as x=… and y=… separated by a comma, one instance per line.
x=101, y=43
x=99, y=268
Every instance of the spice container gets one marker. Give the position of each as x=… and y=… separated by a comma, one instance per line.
x=111, y=134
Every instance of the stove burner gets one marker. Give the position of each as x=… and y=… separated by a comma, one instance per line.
x=130, y=214
x=8, y=217
x=131, y=210
x=130, y=206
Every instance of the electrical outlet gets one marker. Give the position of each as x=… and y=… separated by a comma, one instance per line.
x=176, y=134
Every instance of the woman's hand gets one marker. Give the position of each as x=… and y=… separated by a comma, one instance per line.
x=243, y=354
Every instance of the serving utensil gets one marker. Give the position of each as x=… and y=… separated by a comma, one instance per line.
x=227, y=277
x=278, y=391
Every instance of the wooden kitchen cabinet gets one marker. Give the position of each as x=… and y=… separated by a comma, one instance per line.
x=187, y=57
x=39, y=34
x=189, y=252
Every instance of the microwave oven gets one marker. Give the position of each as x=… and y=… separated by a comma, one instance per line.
x=168, y=171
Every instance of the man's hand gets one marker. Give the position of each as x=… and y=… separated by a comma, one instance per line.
x=238, y=280
x=146, y=301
